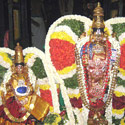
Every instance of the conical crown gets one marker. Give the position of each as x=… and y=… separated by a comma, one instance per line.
x=19, y=54
x=98, y=15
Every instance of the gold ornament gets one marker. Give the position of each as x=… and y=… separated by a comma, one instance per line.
x=98, y=15
x=18, y=54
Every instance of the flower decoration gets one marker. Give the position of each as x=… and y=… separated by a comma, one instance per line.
x=123, y=121
x=52, y=119
x=61, y=51
x=27, y=57
x=5, y=60
x=106, y=31
x=89, y=32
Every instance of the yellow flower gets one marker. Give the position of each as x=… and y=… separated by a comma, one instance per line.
x=74, y=95
x=62, y=36
x=106, y=31
x=122, y=42
x=81, y=109
x=44, y=87
x=123, y=121
x=6, y=58
x=27, y=57
x=119, y=94
x=118, y=111
x=58, y=119
x=122, y=71
x=51, y=109
x=89, y=32
x=67, y=69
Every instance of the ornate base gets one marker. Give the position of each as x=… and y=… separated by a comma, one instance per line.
x=97, y=121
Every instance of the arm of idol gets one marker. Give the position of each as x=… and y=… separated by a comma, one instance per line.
x=31, y=91
x=22, y=103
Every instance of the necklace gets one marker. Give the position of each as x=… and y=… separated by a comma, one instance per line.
x=99, y=90
x=82, y=82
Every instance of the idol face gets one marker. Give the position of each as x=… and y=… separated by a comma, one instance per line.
x=19, y=69
x=98, y=36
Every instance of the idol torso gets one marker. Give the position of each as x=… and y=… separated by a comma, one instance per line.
x=96, y=70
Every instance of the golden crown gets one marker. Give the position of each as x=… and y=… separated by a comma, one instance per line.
x=19, y=54
x=98, y=15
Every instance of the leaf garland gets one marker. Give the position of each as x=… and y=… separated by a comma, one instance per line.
x=38, y=69
x=118, y=28
x=120, y=81
x=71, y=82
x=2, y=72
x=116, y=121
x=50, y=118
x=76, y=26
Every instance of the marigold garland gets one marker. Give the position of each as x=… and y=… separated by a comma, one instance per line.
x=122, y=71
x=27, y=57
x=122, y=42
x=44, y=87
x=67, y=69
x=119, y=94
x=122, y=121
x=62, y=36
x=118, y=111
x=74, y=95
x=6, y=58
x=52, y=119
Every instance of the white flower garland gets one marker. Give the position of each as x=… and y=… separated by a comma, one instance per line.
x=72, y=91
x=108, y=113
x=55, y=74
x=121, y=76
x=7, y=50
x=85, y=114
x=120, y=89
x=31, y=61
x=115, y=20
x=115, y=44
x=4, y=63
x=121, y=37
x=79, y=116
x=52, y=84
x=68, y=31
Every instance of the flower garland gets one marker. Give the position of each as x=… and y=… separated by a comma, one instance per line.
x=84, y=40
x=63, y=41
x=111, y=21
x=56, y=75
x=53, y=88
x=47, y=48
x=52, y=119
x=5, y=60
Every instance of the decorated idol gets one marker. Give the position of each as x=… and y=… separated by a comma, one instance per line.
x=88, y=61
x=97, y=61
x=24, y=87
